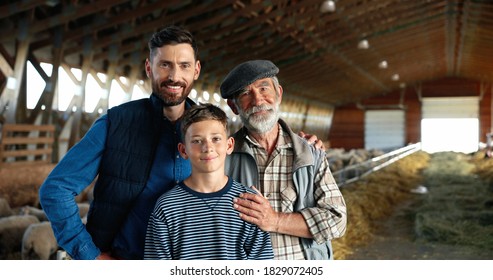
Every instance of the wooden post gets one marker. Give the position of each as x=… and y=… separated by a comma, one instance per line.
x=10, y=94
x=48, y=94
x=80, y=96
x=110, y=76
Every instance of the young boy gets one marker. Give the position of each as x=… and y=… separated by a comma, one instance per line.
x=196, y=219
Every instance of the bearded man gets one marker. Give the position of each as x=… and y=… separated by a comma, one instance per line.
x=298, y=200
x=132, y=150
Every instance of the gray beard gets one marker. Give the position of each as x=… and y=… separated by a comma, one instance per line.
x=260, y=124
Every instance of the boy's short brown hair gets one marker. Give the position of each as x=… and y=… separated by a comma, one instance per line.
x=203, y=112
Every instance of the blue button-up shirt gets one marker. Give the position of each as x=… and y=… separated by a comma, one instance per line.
x=77, y=170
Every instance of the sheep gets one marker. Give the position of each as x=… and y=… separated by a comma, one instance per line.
x=30, y=210
x=39, y=242
x=5, y=209
x=12, y=229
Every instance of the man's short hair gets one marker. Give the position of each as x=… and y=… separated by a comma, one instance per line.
x=172, y=35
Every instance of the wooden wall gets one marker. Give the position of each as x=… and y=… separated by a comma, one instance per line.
x=485, y=111
x=347, y=130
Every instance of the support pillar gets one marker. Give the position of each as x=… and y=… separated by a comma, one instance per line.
x=10, y=94
x=80, y=95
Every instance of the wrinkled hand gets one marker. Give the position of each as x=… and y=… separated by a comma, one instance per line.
x=256, y=209
x=313, y=139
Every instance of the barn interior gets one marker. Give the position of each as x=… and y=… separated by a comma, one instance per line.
x=359, y=74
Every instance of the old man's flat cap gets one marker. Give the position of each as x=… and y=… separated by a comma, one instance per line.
x=245, y=74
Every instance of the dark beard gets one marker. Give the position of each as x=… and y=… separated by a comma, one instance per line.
x=171, y=100
x=168, y=102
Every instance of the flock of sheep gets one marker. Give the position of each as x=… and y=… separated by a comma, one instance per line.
x=340, y=158
x=26, y=233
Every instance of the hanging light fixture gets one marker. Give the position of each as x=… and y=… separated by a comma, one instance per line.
x=395, y=77
x=328, y=6
x=383, y=64
x=363, y=44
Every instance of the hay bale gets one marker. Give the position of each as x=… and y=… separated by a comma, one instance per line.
x=455, y=210
x=483, y=166
x=375, y=197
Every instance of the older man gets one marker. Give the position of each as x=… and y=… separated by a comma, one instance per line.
x=299, y=202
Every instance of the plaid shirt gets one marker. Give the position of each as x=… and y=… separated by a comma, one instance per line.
x=276, y=182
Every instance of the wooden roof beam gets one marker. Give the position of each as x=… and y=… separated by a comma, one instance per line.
x=69, y=13
x=10, y=9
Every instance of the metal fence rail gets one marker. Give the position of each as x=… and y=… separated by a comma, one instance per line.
x=355, y=172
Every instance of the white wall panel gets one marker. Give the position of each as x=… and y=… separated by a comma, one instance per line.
x=450, y=107
x=384, y=129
